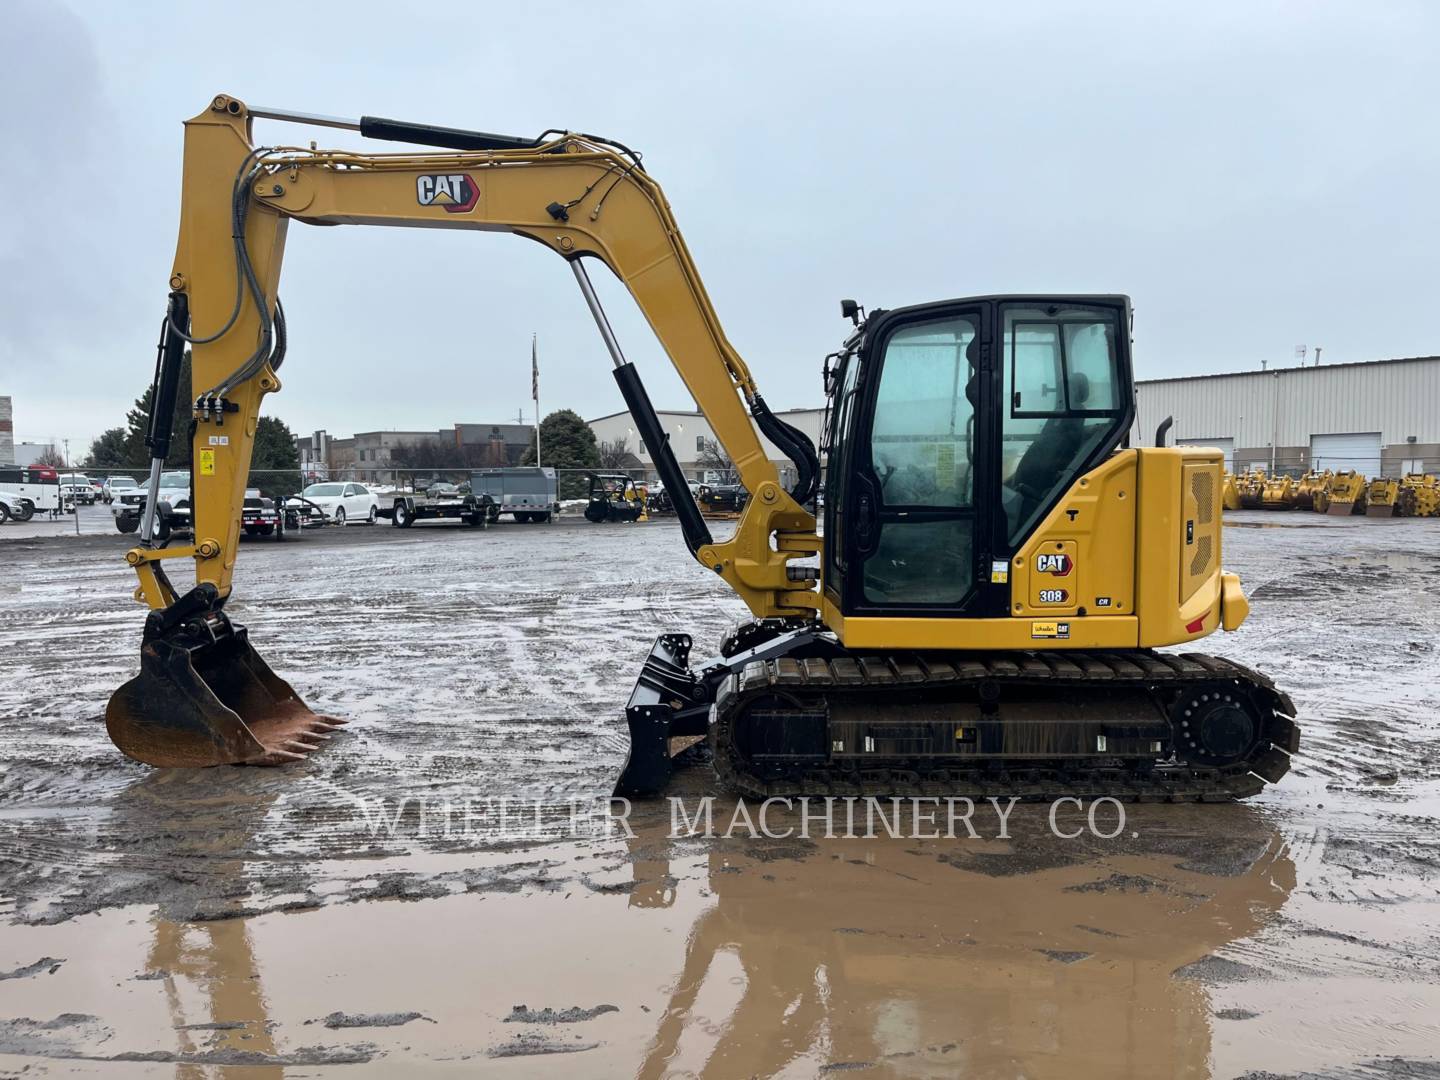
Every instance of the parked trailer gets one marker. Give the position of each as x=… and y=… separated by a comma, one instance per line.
x=530, y=492
x=408, y=507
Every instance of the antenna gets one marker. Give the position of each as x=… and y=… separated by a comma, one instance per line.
x=1300, y=354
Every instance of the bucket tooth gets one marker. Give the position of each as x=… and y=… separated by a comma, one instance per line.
x=278, y=757
x=205, y=697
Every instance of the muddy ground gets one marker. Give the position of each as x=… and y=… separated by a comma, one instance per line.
x=395, y=905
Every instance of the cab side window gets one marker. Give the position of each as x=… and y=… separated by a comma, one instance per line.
x=1061, y=403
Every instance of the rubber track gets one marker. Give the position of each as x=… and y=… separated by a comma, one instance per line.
x=1066, y=673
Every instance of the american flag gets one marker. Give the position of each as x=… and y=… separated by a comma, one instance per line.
x=534, y=372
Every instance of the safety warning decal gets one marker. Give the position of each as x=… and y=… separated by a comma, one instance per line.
x=999, y=571
x=207, y=461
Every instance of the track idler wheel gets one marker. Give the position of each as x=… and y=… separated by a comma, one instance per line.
x=1215, y=725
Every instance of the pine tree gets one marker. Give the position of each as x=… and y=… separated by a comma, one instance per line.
x=275, y=463
x=137, y=420
x=566, y=442
x=109, y=450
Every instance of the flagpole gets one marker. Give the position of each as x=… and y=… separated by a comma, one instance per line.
x=535, y=393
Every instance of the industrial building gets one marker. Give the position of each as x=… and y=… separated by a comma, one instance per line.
x=1377, y=417
x=376, y=456
x=690, y=434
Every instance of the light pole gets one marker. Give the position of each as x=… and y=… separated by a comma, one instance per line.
x=76, y=507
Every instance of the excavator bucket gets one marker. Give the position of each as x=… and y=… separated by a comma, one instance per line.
x=205, y=697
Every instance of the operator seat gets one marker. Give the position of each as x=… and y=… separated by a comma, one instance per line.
x=1050, y=458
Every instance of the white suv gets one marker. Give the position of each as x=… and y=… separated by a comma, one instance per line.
x=114, y=485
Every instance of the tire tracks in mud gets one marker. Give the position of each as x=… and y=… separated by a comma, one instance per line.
x=497, y=665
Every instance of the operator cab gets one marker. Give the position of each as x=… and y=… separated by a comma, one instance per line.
x=954, y=429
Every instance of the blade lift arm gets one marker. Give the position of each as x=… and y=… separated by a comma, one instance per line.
x=578, y=195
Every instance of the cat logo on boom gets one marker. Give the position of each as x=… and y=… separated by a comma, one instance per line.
x=1059, y=565
x=456, y=192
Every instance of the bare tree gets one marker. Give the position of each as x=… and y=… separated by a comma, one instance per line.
x=615, y=454
x=429, y=455
x=712, y=457
x=52, y=457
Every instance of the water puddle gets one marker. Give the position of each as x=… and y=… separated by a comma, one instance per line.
x=1171, y=953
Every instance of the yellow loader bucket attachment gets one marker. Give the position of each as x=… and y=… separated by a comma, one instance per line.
x=205, y=697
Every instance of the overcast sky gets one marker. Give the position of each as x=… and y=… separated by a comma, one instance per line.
x=1255, y=175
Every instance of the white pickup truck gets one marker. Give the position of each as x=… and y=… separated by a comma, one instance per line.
x=78, y=489
x=174, y=491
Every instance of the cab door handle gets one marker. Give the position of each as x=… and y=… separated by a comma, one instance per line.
x=866, y=528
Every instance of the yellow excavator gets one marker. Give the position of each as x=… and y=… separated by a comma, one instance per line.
x=998, y=568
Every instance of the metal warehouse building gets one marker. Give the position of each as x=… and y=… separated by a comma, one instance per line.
x=1380, y=418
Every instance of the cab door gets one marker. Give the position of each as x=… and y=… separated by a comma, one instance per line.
x=919, y=479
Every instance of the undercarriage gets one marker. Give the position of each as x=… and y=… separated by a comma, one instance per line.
x=791, y=712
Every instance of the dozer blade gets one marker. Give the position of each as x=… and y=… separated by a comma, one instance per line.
x=205, y=697
x=668, y=710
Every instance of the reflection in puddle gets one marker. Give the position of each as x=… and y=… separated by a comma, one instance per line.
x=657, y=957
x=921, y=959
x=214, y=994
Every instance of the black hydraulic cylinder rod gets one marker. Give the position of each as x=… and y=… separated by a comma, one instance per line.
x=692, y=523
x=169, y=359
x=377, y=127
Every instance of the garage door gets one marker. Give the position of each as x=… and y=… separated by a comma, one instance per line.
x=1225, y=446
x=1341, y=453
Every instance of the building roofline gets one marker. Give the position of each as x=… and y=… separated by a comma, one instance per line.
x=1283, y=370
x=697, y=412
x=432, y=432
x=658, y=412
